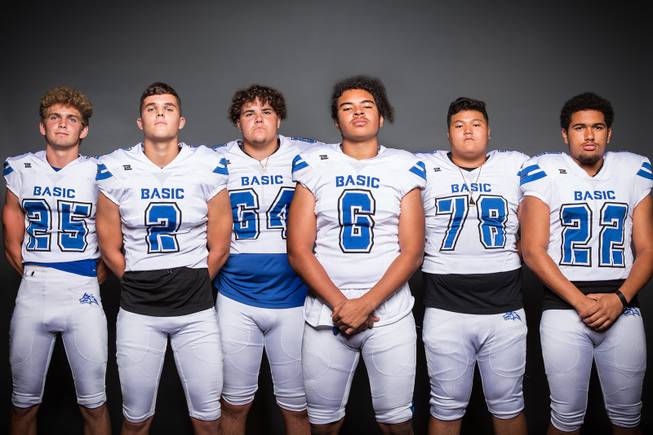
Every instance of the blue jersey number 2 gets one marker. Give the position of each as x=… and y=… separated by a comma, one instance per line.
x=576, y=221
x=162, y=220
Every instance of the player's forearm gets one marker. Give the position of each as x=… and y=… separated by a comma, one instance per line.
x=539, y=261
x=114, y=259
x=313, y=274
x=14, y=257
x=640, y=273
x=399, y=271
x=216, y=259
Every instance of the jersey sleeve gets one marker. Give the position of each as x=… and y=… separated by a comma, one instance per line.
x=416, y=176
x=12, y=177
x=304, y=173
x=643, y=180
x=218, y=176
x=108, y=184
x=534, y=181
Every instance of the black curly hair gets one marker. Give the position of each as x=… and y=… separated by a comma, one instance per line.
x=586, y=101
x=370, y=84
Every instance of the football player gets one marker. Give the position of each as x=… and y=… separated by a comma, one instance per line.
x=472, y=275
x=166, y=204
x=50, y=239
x=261, y=298
x=582, y=216
x=356, y=235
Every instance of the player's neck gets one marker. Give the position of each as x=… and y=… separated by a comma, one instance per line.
x=591, y=168
x=260, y=151
x=361, y=150
x=60, y=157
x=468, y=162
x=161, y=152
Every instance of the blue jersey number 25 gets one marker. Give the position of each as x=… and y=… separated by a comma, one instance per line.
x=72, y=231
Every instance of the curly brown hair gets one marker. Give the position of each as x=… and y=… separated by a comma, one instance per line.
x=265, y=95
x=68, y=97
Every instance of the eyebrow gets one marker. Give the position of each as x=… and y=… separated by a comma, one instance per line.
x=593, y=124
x=361, y=102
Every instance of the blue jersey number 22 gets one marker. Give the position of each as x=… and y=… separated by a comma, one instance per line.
x=576, y=221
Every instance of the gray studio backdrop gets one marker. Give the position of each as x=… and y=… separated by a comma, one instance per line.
x=524, y=60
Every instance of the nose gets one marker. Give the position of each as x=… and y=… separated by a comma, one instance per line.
x=589, y=133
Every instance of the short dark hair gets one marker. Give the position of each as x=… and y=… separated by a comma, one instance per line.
x=68, y=97
x=370, y=84
x=464, y=103
x=159, y=88
x=586, y=101
x=264, y=94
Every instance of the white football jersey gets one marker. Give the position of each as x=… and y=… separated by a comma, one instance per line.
x=590, y=217
x=163, y=210
x=257, y=271
x=59, y=207
x=357, y=209
x=471, y=216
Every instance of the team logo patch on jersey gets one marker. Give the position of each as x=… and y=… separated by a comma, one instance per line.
x=28, y=165
x=438, y=169
x=127, y=167
x=632, y=311
x=88, y=299
x=562, y=171
x=511, y=315
x=323, y=157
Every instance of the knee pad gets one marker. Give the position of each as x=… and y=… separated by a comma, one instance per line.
x=291, y=400
x=394, y=415
x=447, y=409
x=25, y=400
x=94, y=401
x=567, y=420
x=624, y=415
x=323, y=415
x=239, y=397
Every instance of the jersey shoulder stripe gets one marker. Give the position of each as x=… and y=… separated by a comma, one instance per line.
x=298, y=163
x=102, y=172
x=419, y=169
x=646, y=171
x=530, y=173
x=7, y=169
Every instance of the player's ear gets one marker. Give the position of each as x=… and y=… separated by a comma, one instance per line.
x=139, y=122
x=42, y=128
x=83, y=133
x=609, y=135
x=565, y=138
x=489, y=133
x=380, y=121
x=182, y=122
